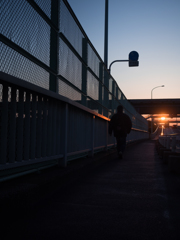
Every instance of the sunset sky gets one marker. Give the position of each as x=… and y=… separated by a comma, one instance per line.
x=152, y=28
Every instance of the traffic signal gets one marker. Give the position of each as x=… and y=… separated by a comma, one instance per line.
x=133, y=59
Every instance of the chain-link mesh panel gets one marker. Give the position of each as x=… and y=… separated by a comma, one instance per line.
x=101, y=72
x=110, y=96
x=69, y=65
x=111, y=85
x=1, y=92
x=106, y=112
x=92, y=86
x=92, y=104
x=93, y=61
x=22, y=25
x=67, y=91
x=70, y=29
x=137, y=120
x=45, y=6
x=9, y=94
x=115, y=89
x=16, y=65
x=119, y=94
x=102, y=94
x=110, y=102
x=106, y=97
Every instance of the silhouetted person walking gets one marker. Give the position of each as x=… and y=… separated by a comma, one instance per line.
x=121, y=125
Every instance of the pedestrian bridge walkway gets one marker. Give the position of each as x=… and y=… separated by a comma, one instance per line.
x=133, y=198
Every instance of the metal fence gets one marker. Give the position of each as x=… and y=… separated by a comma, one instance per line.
x=43, y=44
x=171, y=141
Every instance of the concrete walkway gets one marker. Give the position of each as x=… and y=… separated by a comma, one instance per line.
x=133, y=198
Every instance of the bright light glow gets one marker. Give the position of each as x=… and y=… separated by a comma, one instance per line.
x=163, y=118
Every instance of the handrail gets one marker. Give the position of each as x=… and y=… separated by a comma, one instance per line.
x=153, y=135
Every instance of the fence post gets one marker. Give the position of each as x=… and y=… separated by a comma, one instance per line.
x=27, y=127
x=20, y=129
x=113, y=98
x=64, y=143
x=100, y=86
x=4, y=126
x=106, y=91
x=12, y=126
x=44, y=127
x=84, y=71
x=54, y=46
x=33, y=127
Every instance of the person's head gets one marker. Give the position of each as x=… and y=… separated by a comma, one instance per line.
x=120, y=109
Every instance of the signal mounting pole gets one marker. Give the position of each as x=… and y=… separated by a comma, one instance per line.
x=106, y=35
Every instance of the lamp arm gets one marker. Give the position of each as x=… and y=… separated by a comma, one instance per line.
x=153, y=89
x=116, y=61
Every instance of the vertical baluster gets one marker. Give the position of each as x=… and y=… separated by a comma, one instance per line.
x=12, y=126
x=27, y=127
x=64, y=139
x=44, y=127
x=33, y=128
x=20, y=126
x=54, y=128
x=49, y=131
x=4, y=126
x=39, y=127
x=58, y=129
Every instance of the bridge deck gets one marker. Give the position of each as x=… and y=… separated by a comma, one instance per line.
x=133, y=198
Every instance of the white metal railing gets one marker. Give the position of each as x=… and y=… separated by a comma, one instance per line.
x=38, y=126
x=170, y=142
x=155, y=133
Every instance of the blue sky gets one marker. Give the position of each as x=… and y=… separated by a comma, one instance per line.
x=152, y=28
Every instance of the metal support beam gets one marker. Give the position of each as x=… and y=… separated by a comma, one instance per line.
x=54, y=45
x=100, y=86
x=84, y=71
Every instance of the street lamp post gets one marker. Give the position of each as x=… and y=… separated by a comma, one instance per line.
x=152, y=115
x=154, y=88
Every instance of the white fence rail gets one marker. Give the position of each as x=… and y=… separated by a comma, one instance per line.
x=170, y=142
x=38, y=126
